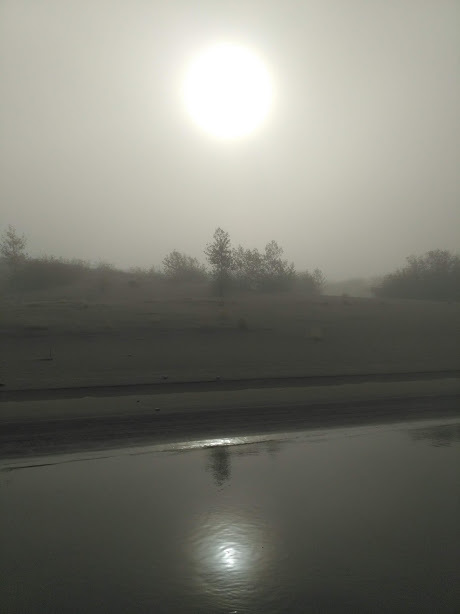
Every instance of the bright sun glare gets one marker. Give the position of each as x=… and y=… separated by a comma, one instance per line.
x=228, y=91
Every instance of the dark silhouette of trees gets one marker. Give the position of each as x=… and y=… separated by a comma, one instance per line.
x=180, y=267
x=220, y=257
x=254, y=270
x=229, y=269
x=262, y=271
x=268, y=271
x=435, y=275
x=248, y=267
x=12, y=247
x=46, y=272
x=279, y=274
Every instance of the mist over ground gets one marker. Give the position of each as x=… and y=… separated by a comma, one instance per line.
x=229, y=306
x=355, y=168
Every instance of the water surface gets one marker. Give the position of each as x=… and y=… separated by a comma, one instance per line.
x=348, y=520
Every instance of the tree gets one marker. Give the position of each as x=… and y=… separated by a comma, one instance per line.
x=265, y=271
x=180, y=267
x=219, y=255
x=12, y=247
x=320, y=280
x=278, y=273
x=248, y=266
x=435, y=275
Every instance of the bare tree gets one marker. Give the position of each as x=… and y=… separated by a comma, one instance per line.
x=219, y=256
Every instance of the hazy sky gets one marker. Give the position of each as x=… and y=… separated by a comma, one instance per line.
x=356, y=166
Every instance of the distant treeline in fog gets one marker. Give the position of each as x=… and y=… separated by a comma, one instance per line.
x=226, y=269
x=435, y=275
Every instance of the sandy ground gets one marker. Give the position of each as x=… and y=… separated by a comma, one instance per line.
x=64, y=344
x=76, y=373
x=30, y=428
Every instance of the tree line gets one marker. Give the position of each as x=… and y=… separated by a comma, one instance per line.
x=253, y=270
x=227, y=269
x=434, y=275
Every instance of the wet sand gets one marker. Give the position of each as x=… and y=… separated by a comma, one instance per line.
x=51, y=425
x=95, y=375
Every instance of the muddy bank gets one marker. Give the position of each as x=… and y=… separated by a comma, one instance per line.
x=51, y=426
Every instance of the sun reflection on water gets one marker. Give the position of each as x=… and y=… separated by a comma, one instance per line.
x=230, y=557
x=221, y=548
x=231, y=552
x=232, y=547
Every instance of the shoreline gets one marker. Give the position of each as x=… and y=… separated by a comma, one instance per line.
x=43, y=427
x=218, y=384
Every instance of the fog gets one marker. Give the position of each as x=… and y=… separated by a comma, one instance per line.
x=355, y=167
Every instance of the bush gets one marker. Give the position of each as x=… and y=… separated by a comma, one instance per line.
x=180, y=267
x=45, y=273
x=435, y=275
x=266, y=272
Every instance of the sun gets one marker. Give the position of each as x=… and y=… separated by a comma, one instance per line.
x=228, y=91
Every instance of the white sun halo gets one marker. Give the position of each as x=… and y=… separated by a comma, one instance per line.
x=227, y=90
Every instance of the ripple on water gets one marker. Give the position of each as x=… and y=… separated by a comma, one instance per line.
x=231, y=553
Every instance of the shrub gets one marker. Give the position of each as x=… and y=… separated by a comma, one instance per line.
x=46, y=272
x=435, y=275
x=180, y=267
x=266, y=272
